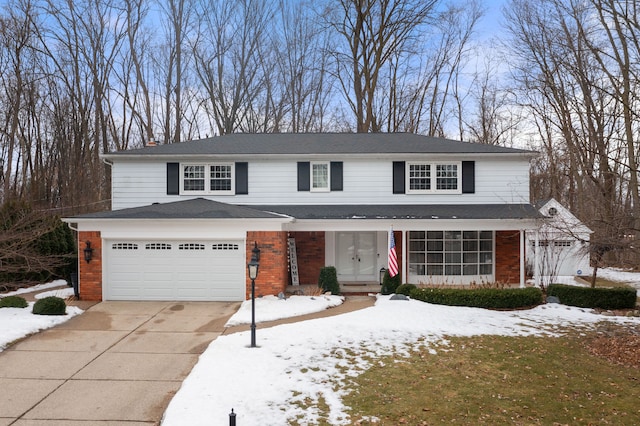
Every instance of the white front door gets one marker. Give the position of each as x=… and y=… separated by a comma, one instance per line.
x=356, y=256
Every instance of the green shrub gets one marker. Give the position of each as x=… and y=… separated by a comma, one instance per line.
x=51, y=305
x=389, y=283
x=328, y=280
x=588, y=297
x=490, y=298
x=13, y=302
x=405, y=289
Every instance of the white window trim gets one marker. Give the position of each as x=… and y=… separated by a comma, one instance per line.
x=207, y=179
x=328, y=187
x=433, y=165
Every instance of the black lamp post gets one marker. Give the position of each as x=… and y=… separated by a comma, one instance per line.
x=253, y=266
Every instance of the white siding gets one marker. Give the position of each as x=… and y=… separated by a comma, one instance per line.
x=364, y=182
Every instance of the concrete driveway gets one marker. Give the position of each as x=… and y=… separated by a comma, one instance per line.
x=118, y=363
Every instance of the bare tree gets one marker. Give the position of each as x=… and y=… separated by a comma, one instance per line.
x=373, y=32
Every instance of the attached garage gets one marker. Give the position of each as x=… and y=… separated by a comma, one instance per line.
x=196, y=270
x=190, y=250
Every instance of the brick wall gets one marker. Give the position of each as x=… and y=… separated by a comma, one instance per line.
x=90, y=274
x=508, y=257
x=310, y=250
x=273, y=273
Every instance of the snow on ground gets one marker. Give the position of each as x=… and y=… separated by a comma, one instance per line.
x=16, y=323
x=310, y=359
x=39, y=287
x=271, y=308
x=62, y=293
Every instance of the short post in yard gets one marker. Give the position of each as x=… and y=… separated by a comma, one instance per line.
x=253, y=266
x=232, y=418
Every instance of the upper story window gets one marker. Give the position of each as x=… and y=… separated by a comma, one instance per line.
x=320, y=176
x=434, y=178
x=207, y=178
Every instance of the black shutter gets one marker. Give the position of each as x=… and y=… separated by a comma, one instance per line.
x=242, y=178
x=336, y=175
x=304, y=176
x=398, y=177
x=468, y=177
x=173, y=178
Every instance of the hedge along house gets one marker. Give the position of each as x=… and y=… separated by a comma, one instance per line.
x=185, y=216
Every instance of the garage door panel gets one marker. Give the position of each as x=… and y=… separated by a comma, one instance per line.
x=161, y=270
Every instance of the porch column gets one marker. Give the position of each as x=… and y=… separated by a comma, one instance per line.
x=405, y=256
x=536, y=259
x=522, y=246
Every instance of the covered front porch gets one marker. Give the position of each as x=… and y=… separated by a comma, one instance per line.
x=443, y=245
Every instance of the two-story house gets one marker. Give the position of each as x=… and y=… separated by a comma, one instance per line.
x=185, y=216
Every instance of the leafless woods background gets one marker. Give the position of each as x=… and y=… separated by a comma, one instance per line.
x=79, y=78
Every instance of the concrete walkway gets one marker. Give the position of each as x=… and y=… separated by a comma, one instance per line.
x=117, y=363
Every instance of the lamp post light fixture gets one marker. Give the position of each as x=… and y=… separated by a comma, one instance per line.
x=382, y=272
x=88, y=251
x=253, y=267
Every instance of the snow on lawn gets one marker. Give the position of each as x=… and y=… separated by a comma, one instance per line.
x=16, y=323
x=309, y=360
x=271, y=308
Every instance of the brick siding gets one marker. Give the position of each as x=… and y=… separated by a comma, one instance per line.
x=508, y=257
x=310, y=251
x=90, y=274
x=273, y=272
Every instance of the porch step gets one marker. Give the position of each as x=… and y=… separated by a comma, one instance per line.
x=345, y=289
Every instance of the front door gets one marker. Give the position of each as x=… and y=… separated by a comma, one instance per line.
x=356, y=256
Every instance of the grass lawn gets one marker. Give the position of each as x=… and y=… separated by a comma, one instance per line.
x=499, y=380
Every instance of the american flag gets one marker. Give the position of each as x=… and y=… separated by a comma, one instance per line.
x=393, y=257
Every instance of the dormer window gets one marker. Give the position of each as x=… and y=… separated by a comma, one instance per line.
x=213, y=178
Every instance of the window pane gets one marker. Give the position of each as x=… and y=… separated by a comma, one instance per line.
x=419, y=177
x=485, y=269
x=453, y=270
x=453, y=245
x=447, y=176
x=416, y=235
x=434, y=235
x=486, y=245
x=452, y=235
x=453, y=258
x=435, y=270
x=470, y=269
x=220, y=176
x=416, y=245
x=320, y=176
x=434, y=245
x=471, y=258
x=470, y=246
x=470, y=235
x=193, y=178
x=434, y=257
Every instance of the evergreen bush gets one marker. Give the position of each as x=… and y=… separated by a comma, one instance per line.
x=489, y=298
x=405, y=289
x=589, y=297
x=328, y=280
x=389, y=283
x=51, y=305
x=13, y=302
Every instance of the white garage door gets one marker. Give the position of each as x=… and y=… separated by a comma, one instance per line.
x=175, y=270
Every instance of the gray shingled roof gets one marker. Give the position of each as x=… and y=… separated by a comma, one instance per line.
x=198, y=208
x=318, y=143
x=442, y=211
x=201, y=208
